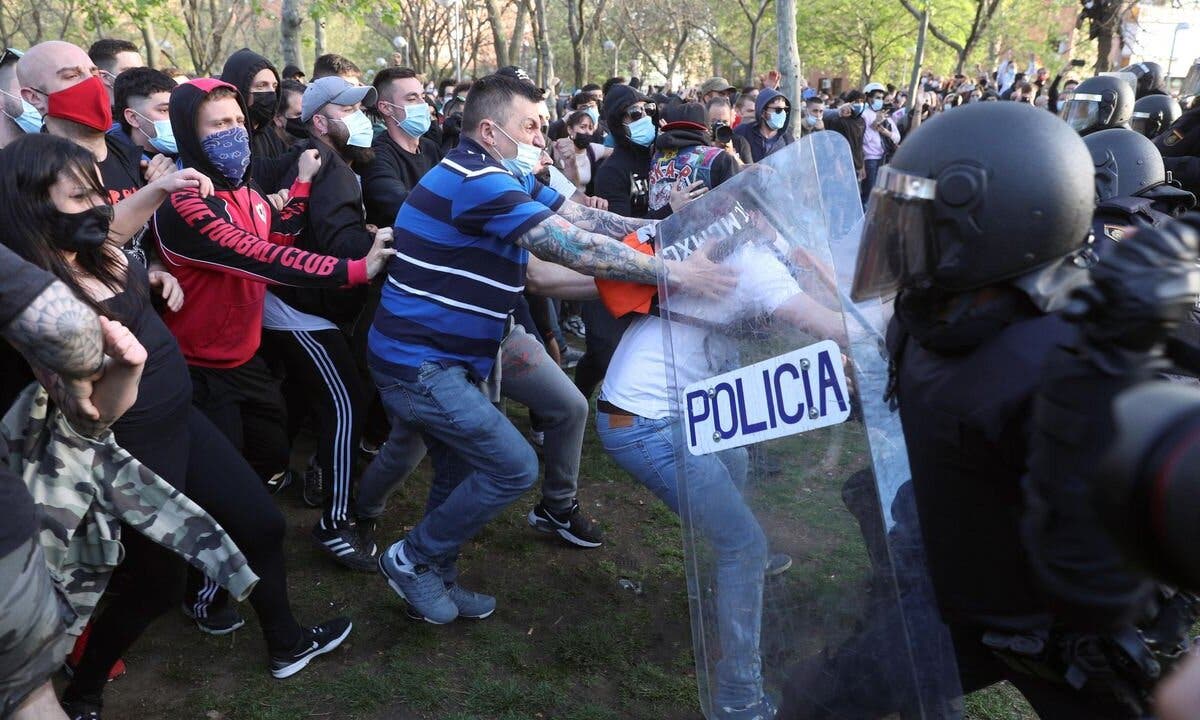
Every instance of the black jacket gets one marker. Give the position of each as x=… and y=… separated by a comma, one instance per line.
x=388, y=179
x=265, y=145
x=852, y=128
x=337, y=227
x=623, y=179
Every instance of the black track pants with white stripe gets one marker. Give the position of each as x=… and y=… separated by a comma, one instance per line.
x=323, y=383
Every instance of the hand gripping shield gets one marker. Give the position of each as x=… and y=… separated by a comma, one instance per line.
x=785, y=447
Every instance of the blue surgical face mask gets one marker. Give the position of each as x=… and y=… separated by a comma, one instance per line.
x=229, y=151
x=776, y=120
x=526, y=159
x=416, y=120
x=642, y=131
x=30, y=120
x=361, y=132
x=810, y=121
x=594, y=114
x=164, y=135
x=858, y=108
x=877, y=105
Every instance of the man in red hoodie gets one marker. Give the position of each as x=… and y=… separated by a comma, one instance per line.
x=225, y=249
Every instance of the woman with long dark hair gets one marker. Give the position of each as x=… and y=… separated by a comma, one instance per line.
x=55, y=215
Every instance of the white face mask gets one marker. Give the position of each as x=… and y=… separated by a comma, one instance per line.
x=526, y=159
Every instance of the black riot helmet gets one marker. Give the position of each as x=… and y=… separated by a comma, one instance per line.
x=1153, y=114
x=1098, y=103
x=1149, y=78
x=952, y=214
x=1126, y=163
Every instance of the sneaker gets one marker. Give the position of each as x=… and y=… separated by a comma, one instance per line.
x=217, y=620
x=418, y=585
x=571, y=526
x=346, y=545
x=278, y=482
x=81, y=710
x=316, y=640
x=778, y=564
x=314, y=492
x=571, y=358
x=117, y=670
x=369, y=448
x=574, y=325
x=470, y=604
x=762, y=710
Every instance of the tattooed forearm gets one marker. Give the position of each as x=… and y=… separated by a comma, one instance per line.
x=57, y=331
x=600, y=221
x=559, y=241
x=68, y=396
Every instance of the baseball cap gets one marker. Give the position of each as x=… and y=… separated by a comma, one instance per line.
x=716, y=84
x=336, y=90
x=513, y=71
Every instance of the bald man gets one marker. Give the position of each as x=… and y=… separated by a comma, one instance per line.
x=63, y=84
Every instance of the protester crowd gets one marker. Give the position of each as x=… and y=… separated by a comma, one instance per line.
x=199, y=271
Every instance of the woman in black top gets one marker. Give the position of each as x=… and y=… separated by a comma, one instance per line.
x=57, y=217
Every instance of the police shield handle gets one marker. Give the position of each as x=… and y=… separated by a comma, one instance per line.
x=381, y=252
x=307, y=165
x=698, y=275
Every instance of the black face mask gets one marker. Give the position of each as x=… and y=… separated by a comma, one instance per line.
x=262, y=106
x=76, y=232
x=295, y=128
x=581, y=141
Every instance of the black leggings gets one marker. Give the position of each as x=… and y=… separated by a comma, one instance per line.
x=188, y=451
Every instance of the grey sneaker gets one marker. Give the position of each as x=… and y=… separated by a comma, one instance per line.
x=572, y=526
x=418, y=585
x=470, y=604
x=216, y=620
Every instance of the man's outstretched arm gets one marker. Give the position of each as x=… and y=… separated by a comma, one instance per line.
x=600, y=222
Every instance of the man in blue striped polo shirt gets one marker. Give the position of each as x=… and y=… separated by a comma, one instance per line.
x=463, y=239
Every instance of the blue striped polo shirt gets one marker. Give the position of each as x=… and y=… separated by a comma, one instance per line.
x=457, y=270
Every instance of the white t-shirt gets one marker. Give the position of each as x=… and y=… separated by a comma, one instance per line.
x=278, y=315
x=637, y=376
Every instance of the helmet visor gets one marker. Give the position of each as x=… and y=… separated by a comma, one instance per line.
x=1191, y=83
x=897, y=234
x=1082, y=111
x=1145, y=123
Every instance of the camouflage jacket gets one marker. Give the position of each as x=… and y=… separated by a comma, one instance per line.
x=85, y=488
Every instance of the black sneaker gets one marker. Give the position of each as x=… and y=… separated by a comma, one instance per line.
x=278, y=482
x=314, y=492
x=347, y=545
x=571, y=526
x=316, y=640
x=81, y=709
x=216, y=620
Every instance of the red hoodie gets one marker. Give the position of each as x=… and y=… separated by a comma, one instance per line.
x=226, y=248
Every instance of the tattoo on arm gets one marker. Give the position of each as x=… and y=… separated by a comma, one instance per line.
x=601, y=222
x=58, y=332
x=556, y=240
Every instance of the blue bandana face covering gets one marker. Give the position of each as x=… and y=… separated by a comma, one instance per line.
x=229, y=150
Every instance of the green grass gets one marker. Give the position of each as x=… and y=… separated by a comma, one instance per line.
x=567, y=643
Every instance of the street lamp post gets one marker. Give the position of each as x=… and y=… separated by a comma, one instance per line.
x=401, y=44
x=458, y=36
x=616, y=50
x=1174, y=36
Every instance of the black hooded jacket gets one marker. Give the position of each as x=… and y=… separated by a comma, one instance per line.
x=239, y=71
x=623, y=179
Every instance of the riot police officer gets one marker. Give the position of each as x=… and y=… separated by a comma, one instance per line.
x=1098, y=103
x=1153, y=114
x=1149, y=76
x=984, y=248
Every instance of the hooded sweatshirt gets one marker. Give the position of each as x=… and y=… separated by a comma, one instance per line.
x=760, y=147
x=239, y=71
x=683, y=154
x=623, y=179
x=224, y=249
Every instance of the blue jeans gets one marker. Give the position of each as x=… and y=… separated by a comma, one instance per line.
x=712, y=502
x=870, y=173
x=481, y=463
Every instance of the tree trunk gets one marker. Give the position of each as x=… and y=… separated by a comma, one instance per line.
x=751, y=69
x=789, y=54
x=918, y=60
x=151, y=42
x=1104, y=50
x=498, y=39
x=545, y=52
x=319, y=36
x=290, y=20
x=577, y=59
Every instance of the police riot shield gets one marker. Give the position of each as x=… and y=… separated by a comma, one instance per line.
x=806, y=574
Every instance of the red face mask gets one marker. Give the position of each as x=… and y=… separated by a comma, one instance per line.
x=85, y=103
